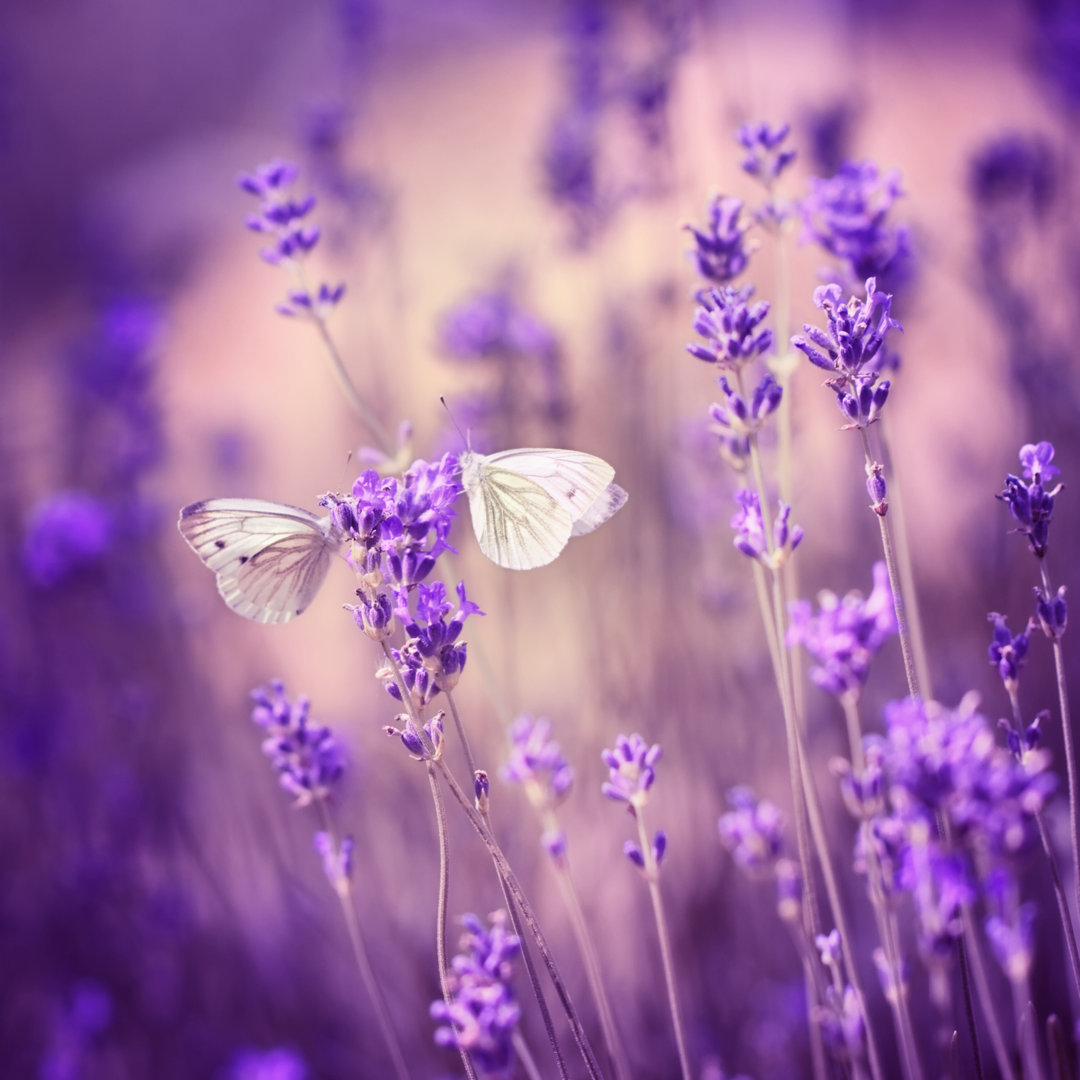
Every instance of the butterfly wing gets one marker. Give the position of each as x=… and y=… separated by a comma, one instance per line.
x=269, y=559
x=610, y=500
x=573, y=479
x=518, y=524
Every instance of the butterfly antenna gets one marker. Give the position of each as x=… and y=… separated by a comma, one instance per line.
x=464, y=437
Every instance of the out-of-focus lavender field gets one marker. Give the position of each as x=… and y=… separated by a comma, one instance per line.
x=504, y=190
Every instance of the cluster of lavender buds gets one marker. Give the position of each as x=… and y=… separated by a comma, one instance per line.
x=397, y=529
x=731, y=328
x=752, y=538
x=721, y=250
x=1030, y=502
x=840, y=1016
x=1007, y=651
x=483, y=1013
x=765, y=159
x=852, y=349
x=846, y=215
x=309, y=760
x=281, y=218
x=846, y=634
x=631, y=773
x=537, y=763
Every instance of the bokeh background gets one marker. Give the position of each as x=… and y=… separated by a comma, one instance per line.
x=162, y=912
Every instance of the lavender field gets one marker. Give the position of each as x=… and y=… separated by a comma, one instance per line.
x=636, y=442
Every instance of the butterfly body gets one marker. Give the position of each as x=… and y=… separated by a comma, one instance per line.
x=527, y=504
x=269, y=558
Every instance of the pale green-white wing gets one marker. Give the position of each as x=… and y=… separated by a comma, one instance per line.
x=610, y=500
x=573, y=479
x=269, y=559
x=518, y=525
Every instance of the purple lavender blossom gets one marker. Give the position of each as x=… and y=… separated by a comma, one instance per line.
x=337, y=859
x=1028, y=499
x=536, y=761
x=1007, y=651
x=1010, y=926
x=852, y=349
x=752, y=830
x=1013, y=170
x=750, y=536
x=423, y=744
x=846, y=634
x=846, y=214
x=483, y=1012
x=765, y=159
x=278, y=1063
x=731, y=328
x=309, y=760
x=737, y=419
x=1052, y=612
x=282, y=219
x=68, y=533
x=721, y=251
x=631, y=770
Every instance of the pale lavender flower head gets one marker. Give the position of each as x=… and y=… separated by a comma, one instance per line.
x=846, y=634
x=750, y=537
x=278, y=1063
x=483, y=1012
x=731, y=328
x=490, y=325
x=631, y=770
x=752, y=830
x=765, y=157
x=841, y=1021
x=721, y=250
x=1028, y=498
x=1010, y=926
x=337, y=859
x=309, y=759
x=536, y=761
x=282, y=220
x=846, y=214
x=68, y=533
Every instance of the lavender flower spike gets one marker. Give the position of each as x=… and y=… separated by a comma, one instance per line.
x=731, y=328
x=1028, y=499
x=720, y=251
x=631, y=770
x=765, y=160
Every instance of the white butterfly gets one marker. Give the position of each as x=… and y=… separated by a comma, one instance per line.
x=527, y=504
x=270, y=559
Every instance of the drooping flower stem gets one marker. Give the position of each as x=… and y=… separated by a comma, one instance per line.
x=874, y=469
x=1070, y=744
x=440, y=925
x=652, y=877
x=507, y=874
x=343, y=890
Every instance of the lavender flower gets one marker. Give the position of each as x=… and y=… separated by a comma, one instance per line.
x=1006, y=651
x=1028, y=499
x=631, y=770
x=846, y=214
x=337, y=860
x=731, y=328
x=423, y=744
x=537, y=762
x=281, y=218
x=309, y=760
x=852, y=349
x=737, y=419
x=1013, y=170
x=721, y=251
x=765, y=160
x=752, y=830
x=1052, y=612
x=68, y=533
x=1010, y=926
x=750, y=535
x=483, y=1012
x=846, y=634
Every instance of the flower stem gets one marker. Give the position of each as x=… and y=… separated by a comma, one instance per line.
x=652, y=876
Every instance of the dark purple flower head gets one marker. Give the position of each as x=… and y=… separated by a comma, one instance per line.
x=309, y=760
x=846, y=634
x=1052, y=612
x=765, y=158
x=1013, y=171
x=631, y=770
x=423, y=744
x=651, y=863
x=721, y=250
x=1006, y=651
x=68, y=533
x=731, y=328
x=536, y=761
x=737, y=419
x=483, y=1012
x=1028, y=499
x=846, y=214
x=750, y=536
x=752, y=830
